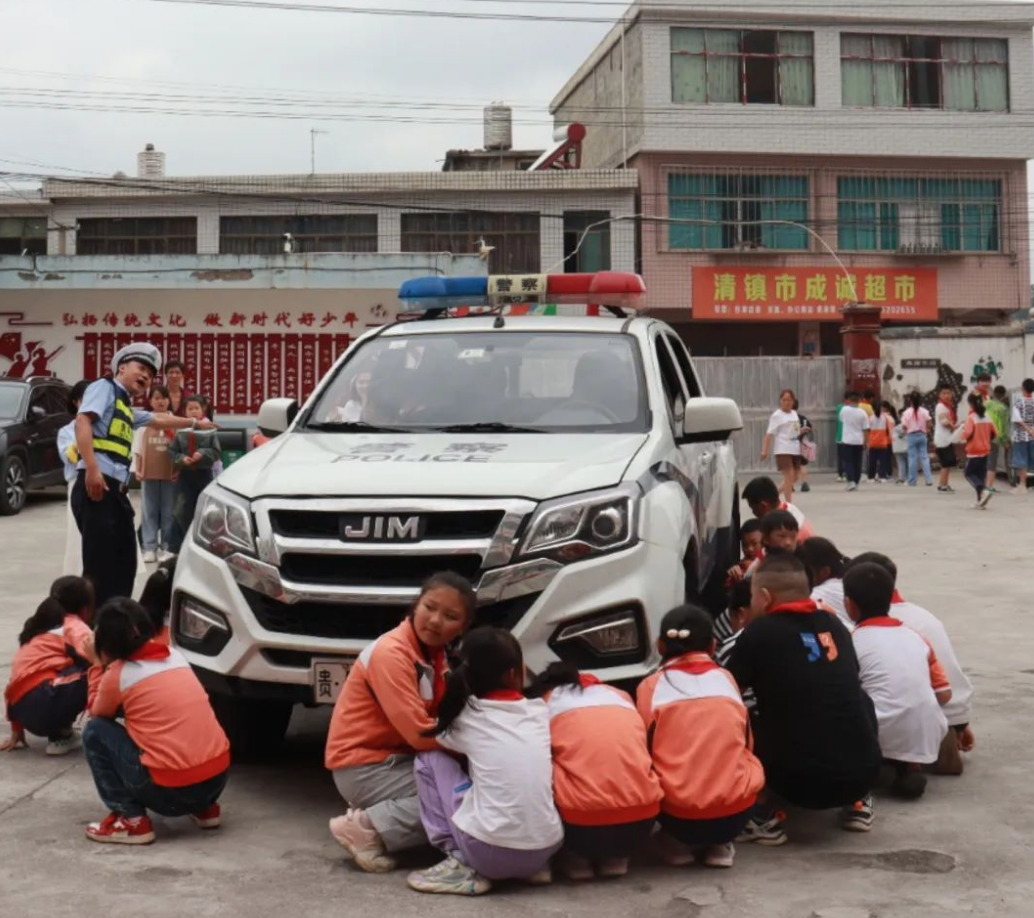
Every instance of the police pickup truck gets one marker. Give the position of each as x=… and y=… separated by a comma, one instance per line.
x=563, y=458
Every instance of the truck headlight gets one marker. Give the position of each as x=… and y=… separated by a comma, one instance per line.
x=573, y=528
x=222, y=523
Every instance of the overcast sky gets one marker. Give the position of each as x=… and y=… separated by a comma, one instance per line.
x=149, y=45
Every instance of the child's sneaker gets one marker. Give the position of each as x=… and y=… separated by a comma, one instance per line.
x=65, y=744
x=720, y=855
x=451, y=878
x=612, y=867
x=985, y=498
x=805, y=488
x=575, y=867
x=859, y=816
x=362, y=842
x=673, y=852
x=208, y=818
x=121, y=830
x=765, y=831
x=543, y=877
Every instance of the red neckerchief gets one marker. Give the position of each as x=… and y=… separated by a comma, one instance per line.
x=585, y=680
x=440, y=664
x=152, y=650
x=951, y=411
x=880, y=621
x=503, y=695
x=896, y=599
x=696, y=663
x=800, y=607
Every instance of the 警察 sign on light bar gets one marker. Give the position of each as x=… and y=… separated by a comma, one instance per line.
x=606, y=288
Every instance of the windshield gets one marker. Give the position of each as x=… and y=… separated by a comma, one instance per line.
x=10, y=400
x=504, y=381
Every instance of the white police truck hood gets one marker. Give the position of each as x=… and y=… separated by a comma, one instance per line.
x=533, y=466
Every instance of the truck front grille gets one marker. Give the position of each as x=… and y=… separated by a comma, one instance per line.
x=325, y=524
x=376, y=570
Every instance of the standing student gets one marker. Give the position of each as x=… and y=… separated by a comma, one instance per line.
x=762, y=496
x=193, y=452
x=826, y=565
x=1022, y=458
x=175, y=379
x=841, y=467
x=104, y=439
x=978, y=435
x=916, y=421
x=701, y=743
x=901, y=674
x=782, y=439
x=816, y=728
x=808, y=448
x=898, y=444
x=494, y=819
x=945, y=426
x=998, y=411
x=170, y=756
x=47, y=689
x=881, y=432
x=604, y=784
x=388, y=703
x=69, y=454
x=155, y=472
x=856, y=433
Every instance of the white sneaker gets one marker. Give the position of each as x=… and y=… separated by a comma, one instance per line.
x=66, y=744
x=451, y=878
x=985, y=499
x=150, y=557
x=720, y=855
x=852, y=487
x=165, y=555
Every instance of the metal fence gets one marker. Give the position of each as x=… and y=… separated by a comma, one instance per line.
x=754, y=383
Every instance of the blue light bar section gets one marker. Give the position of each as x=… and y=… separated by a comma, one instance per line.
x=437, y=292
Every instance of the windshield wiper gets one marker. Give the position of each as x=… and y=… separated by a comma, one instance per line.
x=359, y=426
x=488, y=427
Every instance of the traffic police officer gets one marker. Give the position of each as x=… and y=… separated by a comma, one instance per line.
x=104, y=436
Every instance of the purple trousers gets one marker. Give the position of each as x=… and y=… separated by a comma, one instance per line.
x=441, y=783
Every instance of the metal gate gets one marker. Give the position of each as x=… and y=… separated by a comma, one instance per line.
x=754, y=383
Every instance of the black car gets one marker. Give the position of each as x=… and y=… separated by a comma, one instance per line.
x=32, y=411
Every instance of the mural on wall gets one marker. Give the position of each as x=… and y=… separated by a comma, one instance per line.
x=946, y=377
x=987, y=365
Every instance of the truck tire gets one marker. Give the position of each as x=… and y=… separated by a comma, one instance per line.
x=255, y=729
x=14, y=484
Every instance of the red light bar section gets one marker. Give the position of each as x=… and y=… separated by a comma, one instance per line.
x=609, y=288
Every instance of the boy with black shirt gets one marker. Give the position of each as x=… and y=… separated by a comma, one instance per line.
x=816, y=730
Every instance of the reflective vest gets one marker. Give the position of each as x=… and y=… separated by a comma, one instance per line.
x=117, y=442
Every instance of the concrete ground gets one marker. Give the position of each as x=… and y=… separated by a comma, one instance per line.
x=965, y=849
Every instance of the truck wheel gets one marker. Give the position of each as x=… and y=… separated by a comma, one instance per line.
x=254, y=728
x=14, y=485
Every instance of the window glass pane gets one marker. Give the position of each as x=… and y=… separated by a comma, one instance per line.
x=723, y=40
x=761, y=80
x=36, y=228
x=856, y=83
x=960, y=93
x=795, y=43
x=959, y=50
x=757, y=42
x=992, y=49
x=796, y=81
x=11, y=227
x=691, y=40
x=723, y=79
x=924, y=84
x=992, y=87
x=888, y=46
x=889, y=84
x=689, y=78
x=925, y=47
x=855, y=45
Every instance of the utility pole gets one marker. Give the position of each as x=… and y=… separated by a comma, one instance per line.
x=312, y=147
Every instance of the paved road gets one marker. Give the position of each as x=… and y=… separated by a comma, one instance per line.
x=963, y=850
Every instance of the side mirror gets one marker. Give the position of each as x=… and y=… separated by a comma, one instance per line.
x=710, y=419
x=276, y=415
x=37, y=413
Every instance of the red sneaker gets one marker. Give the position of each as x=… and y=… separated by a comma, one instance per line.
x=121, y=830
x=208, y=818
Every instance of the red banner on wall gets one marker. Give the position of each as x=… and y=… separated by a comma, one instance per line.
x=241, y=381
x=224, y=373
x=782, y=294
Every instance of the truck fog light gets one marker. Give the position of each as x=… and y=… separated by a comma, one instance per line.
x=200, y=628
x=615, y=633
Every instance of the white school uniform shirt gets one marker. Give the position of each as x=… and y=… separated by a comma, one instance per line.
x=957, y=711
x=854, y=422
x=508, y=750
x=785, y=428
x=899, y=669
x=832, y=594
x=942, y=436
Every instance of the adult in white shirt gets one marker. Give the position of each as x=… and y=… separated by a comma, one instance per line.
x=854, y=422
x=945, y=425
x=783, y=440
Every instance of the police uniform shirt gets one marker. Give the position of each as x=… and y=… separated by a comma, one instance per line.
x=99, y=403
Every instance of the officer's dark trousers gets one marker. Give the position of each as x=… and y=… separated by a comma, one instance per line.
x=109, y=538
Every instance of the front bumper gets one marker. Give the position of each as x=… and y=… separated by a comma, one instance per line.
x=265, y=654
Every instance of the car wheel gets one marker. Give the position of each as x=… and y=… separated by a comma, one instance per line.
x=14, y=485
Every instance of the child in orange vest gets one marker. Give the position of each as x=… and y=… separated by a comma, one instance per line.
x=701, y=743
x=604, y=784
x=48, y=685
x=171, y=756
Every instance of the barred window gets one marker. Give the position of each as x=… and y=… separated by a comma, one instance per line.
x=23, y=234
x=137, y=236
x=264, y=235
x=515, y=237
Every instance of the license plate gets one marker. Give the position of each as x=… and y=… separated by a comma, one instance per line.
x=328, y=677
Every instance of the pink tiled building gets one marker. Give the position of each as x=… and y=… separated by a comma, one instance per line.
x=793, y=158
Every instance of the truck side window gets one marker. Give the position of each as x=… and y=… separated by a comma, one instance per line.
x=678, y=348
x=673, y=393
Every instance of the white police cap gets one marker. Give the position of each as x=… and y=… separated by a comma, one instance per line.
x=140, y=351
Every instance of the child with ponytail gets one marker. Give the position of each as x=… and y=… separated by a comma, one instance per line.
x=701, y=743
x=496, y=819
x=603, y=780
